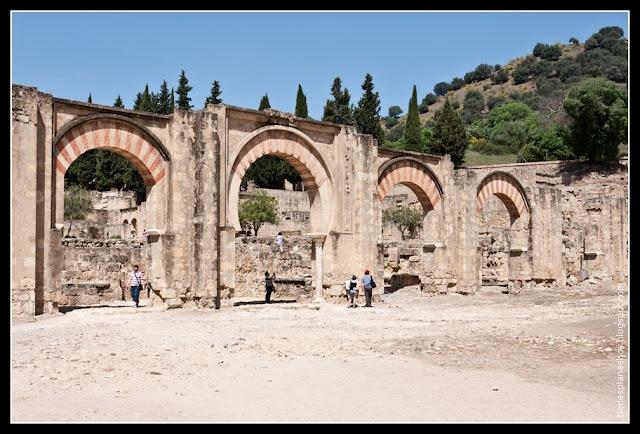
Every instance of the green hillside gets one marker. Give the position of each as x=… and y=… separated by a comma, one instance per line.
x=540, y=80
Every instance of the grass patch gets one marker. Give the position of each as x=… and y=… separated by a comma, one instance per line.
x=473, y=158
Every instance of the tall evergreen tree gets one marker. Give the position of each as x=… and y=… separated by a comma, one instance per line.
x=172, y=103
x=183, y=92
x=264, y=102
x=412, y=134
x=339, y=110
x=89, y=100
x=155, y=103
x=214, y=98
x=118, y=102
x=146, y=103
x=301, y=104
x=137, y=102
x=367, y=113
x=164, y=99
x=449, y=134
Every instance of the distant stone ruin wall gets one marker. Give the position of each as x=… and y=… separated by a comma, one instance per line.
x=91, y=270
x=113, y=200
x=293, y=211
x=595, y=222
x=111, y=222
x=255, y=255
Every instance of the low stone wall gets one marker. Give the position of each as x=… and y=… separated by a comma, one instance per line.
x=255, y=255
x=412, y=262
x=92, y=270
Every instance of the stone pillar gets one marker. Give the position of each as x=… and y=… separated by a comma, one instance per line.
x=318, y=241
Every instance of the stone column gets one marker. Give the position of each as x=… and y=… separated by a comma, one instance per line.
x=318, y=241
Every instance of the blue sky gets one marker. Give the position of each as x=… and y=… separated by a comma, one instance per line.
x=72, y=54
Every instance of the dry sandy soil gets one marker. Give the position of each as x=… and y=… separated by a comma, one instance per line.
x=541, y=355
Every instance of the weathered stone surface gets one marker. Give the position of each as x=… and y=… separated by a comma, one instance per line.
x=556, y=218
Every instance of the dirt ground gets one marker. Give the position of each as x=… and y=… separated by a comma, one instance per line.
x=541, y=355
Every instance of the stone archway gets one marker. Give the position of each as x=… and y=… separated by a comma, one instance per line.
x=114, y=133
x=503, y=247
x=412, y=262
x=510, y=192
x=297, y=149
x=417, y=176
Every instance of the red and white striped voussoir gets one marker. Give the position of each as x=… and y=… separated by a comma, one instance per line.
x=502, y=185
x=116, y=137
x=410, y=173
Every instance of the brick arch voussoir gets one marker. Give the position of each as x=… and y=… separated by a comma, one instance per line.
x=108, y=134
x=287, y=146
x=413, y=175
x=507, y=189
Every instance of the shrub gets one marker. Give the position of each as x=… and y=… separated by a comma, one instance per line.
x=441, y=88
x=256, y=210
x=407, y=219
x=501, y=76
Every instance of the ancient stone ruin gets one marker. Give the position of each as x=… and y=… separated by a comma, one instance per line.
x=515, y=225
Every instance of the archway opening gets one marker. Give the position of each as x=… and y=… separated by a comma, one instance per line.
x=107, y=170
x=277, y=179
x=303, y=202
x=410, y=222
x=503, y=236
x=97, y=186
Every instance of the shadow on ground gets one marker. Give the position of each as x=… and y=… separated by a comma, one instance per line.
x=242, y=303
x=65, y=309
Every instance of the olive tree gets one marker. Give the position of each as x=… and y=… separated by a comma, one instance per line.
x=256, y=210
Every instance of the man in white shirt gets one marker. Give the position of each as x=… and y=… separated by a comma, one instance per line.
x=279, y=241
x=136, y=278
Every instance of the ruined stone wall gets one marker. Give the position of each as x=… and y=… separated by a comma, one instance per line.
x=255, y=255
x=577, y=219
x=413, y=262
x=495, y=252
x=595, y=221
x=91, y=271
x=113, y=199
x=24, y=222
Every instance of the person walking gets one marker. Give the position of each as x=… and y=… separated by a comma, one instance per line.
x=353, y=291
x=280, y=241
x=268, y=283
x=368, y=283
x=135, y=280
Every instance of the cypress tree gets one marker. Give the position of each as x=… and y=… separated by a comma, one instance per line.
x=164, y=103
x=412, y=134
x=89, y=100
x=301, y=104
x=155, y=103
x=146, y=103
x=367, y=113
x=339, y=110
x=118, y=102
x=172, y=104
x=264, y=102
x=449, y=134
x=183, y=92
x=214, y=98
x=137, y=101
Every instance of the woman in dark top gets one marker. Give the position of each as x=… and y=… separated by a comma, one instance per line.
x=268, y=283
